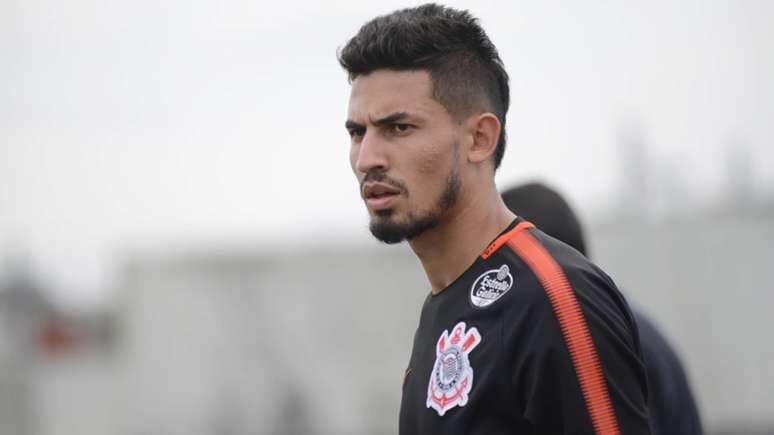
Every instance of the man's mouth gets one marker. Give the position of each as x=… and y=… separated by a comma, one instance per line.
x=380, y=196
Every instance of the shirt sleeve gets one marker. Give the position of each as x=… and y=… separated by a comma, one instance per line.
x=545, y=377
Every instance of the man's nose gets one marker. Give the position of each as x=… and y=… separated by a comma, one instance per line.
x=372, y=154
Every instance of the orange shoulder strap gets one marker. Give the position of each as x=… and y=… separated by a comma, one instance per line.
x=574, y=329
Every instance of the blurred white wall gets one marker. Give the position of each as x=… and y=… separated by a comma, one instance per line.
x=310, y=341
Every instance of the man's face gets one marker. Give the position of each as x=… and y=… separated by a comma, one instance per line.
x=404, y=152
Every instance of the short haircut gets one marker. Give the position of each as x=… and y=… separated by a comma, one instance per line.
x=546, y=208
x=466, y=71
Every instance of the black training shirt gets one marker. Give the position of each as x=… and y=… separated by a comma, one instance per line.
x=491, y=356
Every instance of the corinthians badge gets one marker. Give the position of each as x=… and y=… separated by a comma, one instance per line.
x=491, y=286
x=452, y=375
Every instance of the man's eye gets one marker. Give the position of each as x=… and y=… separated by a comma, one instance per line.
x=356, y=132
x=401, y=128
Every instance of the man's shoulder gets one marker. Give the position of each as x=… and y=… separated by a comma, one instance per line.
x=538, y=260
x=549, y=274
x=567, y=321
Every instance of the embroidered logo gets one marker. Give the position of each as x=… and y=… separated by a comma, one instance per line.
x=491, y=286
x=452, y=375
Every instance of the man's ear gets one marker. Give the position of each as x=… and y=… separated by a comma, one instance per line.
x=485, y=132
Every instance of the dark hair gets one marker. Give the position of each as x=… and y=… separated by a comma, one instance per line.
x=545, y=208
x=464, y=65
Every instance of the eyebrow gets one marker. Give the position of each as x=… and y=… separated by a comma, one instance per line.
x=389, y=119
x=352, y=125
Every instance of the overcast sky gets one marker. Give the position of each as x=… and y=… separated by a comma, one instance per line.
x=138, y=125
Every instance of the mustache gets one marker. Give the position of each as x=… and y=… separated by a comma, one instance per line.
x=381, y=177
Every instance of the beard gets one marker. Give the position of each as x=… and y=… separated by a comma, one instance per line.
x=389, y=230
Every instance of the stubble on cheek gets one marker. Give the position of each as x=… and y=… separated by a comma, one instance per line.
x=434, y=165
x=429, y=164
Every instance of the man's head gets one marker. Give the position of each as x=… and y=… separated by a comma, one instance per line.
x=545, y=208
x=427, y=108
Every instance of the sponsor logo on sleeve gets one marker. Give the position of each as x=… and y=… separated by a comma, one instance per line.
x=491, y=286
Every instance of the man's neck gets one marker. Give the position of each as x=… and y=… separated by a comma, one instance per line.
x=449, y=249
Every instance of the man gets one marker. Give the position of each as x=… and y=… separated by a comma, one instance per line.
x=519, y=334
x=672, y=406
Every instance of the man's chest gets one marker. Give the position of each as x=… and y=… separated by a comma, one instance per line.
x=456, y=381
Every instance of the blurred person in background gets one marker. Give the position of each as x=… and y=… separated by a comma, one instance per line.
x=519, y=332
x=671, y=403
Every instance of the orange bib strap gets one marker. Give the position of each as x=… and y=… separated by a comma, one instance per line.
x=574, y=328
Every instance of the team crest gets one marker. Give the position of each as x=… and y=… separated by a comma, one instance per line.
x=452, y=375
x=491, y=286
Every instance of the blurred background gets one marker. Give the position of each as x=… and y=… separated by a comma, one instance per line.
x=183, y=249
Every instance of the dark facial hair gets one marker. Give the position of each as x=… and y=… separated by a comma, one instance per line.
x=387, y=230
